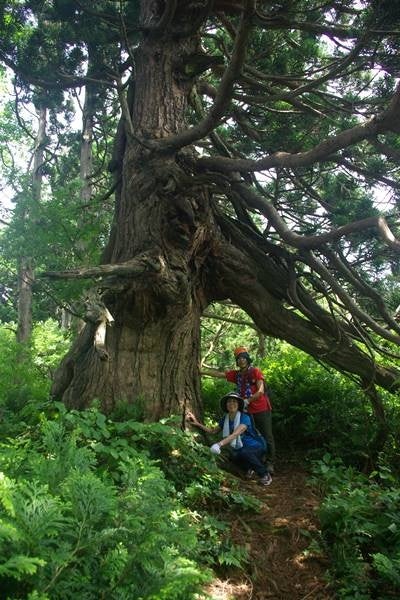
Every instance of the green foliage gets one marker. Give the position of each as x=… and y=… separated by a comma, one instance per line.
x=25, y=370
x=212, y=390
x=19, y=382
x=49, y=344
x=360, y=521
x=314, y=405
x=58, y=234
x=69, y=530
x=94, y=507
x=219, y=337
x=388, y=569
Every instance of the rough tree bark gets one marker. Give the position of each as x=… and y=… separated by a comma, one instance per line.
x=153, y=344
x=172, y=251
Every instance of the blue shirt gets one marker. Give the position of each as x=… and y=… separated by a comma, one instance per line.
x=247, y=438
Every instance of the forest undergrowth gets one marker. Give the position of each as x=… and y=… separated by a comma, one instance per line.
x=107, y=506
x=286, y=560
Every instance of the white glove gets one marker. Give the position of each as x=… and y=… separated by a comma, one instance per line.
x=215, y=449
x=246, y=404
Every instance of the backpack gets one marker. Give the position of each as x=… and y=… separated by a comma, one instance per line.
x=256, y=434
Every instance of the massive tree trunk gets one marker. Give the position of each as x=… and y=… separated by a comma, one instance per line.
x=173, y=250
x=149, y=352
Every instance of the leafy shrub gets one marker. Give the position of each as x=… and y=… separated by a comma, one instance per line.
x=49, y=344
x=92, y=507
x=84, y=536
x=24, y=372
x=390, y=454
x=212, y=391
x=313, y=407
x=19, y=381
x=360, y=521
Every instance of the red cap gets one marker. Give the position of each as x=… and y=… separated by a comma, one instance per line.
x=240, y=350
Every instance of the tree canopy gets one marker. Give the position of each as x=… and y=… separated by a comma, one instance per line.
x=256, y=160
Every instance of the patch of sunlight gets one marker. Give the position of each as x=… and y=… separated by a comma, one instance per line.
x=226, y=590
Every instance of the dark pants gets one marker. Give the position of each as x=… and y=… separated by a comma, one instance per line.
x=263, y=422
x=250, y=458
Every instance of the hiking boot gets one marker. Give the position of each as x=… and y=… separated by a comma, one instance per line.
x=250, y=474
x=266, y=480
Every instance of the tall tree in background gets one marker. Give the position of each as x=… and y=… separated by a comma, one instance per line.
x=68, y=225
x=26, y=263
x=253, y=135
x=23, y=148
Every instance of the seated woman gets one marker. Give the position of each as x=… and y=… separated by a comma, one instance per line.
x=239, y=436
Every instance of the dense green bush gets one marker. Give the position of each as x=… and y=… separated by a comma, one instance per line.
x=91, y=508
x=20, y=381
x=360, y=521
x=313, y=407
x=69, y=530
x=212, y=390
x=25, y=370
x=95, y=508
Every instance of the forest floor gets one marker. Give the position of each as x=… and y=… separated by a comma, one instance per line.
x=278, y=538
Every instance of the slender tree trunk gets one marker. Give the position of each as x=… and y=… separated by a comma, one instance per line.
x=26, y=274
x=382, y=428
x=68, y=320
x=86, y=156
x=25, y=280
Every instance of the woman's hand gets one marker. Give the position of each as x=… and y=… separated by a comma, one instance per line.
x=190, y=418
x=215, y=449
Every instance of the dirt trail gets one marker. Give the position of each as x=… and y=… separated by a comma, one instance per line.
x=277, y=539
